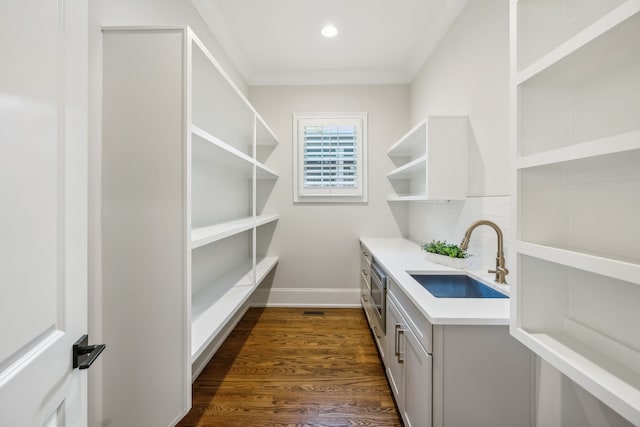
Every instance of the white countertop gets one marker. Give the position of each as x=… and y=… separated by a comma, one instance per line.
x=398, y=255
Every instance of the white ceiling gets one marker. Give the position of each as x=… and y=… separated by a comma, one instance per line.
x=278, y=42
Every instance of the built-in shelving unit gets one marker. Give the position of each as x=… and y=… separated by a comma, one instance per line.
x=576, y=123
x=225, y=218
x=186, y=200
x=431, y=161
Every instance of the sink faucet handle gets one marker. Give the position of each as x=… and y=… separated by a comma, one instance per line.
x=500, y=273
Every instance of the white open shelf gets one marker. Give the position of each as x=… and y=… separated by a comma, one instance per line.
x=265, y=219
x=577, y=157
x=412, y=143
x=588, y=92
x=409, y=169
x=264, y=134
x=610, y=381
x=595, y=309
x=205, y=235
x=543, y=25
x=588, y=205
x=263, y=266
x=425, y=158
x=603, y=264
x=227, y=174
x=606, y=43
x=222, y=153
x=614, y=144
x=407, y=197
x=235, y=159
x=219, y=107
x=215, y=305
x=263, y=172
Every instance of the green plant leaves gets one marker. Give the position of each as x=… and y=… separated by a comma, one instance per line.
x=447, y=249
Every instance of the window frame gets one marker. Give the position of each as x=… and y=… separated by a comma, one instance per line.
x=327, y=194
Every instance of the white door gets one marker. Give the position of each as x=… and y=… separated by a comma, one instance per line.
x=43, y=211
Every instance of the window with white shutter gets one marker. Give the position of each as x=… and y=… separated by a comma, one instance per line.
x=330, y=157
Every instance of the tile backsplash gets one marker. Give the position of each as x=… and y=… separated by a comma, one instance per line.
x=449, y=220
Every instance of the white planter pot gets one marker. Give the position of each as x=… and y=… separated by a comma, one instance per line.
x=447, y=260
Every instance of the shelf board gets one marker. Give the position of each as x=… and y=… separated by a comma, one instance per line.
x=204, y=235
x=405, y=171
x=406, y=197
x=419, y=198
x=218, y=143
x=414, y=141
x=627, y=270
x=263, y=172
x=264, y=134
x=603, y=44
x=263, y=266
x=198, y=44
x=216, y=304
x=237, y=160
x=265, y=219
x=600, y=147
x=212, y=308
x=610, y=381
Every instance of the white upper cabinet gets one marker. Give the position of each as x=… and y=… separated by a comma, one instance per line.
x=576, y=135
x=431, y=161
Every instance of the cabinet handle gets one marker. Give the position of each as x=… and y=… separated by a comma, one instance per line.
x=400, y=332
x=396, y=347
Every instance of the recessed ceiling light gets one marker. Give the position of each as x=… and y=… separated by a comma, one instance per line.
x=329, y=31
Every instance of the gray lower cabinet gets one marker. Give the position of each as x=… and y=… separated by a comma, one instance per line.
x=454, y=375
x=408, y=367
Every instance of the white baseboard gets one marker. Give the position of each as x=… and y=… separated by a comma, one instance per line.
x=306, y=297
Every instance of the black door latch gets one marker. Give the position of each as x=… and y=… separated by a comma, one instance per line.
x=83, y=354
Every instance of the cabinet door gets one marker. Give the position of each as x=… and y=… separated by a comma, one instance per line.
x=394, y=367
x=417, y=382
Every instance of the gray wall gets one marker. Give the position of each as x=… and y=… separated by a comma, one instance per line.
x=318, y=243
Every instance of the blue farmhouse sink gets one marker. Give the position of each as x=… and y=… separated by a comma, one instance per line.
x=455, y=286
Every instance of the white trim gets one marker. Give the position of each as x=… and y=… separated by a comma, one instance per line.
x=306, y=297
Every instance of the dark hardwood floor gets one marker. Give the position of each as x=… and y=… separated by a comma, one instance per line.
x=280, y=367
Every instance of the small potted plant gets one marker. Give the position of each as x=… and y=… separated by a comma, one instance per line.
x=448, y=254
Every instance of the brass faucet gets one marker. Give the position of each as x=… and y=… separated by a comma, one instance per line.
x=501, y=271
